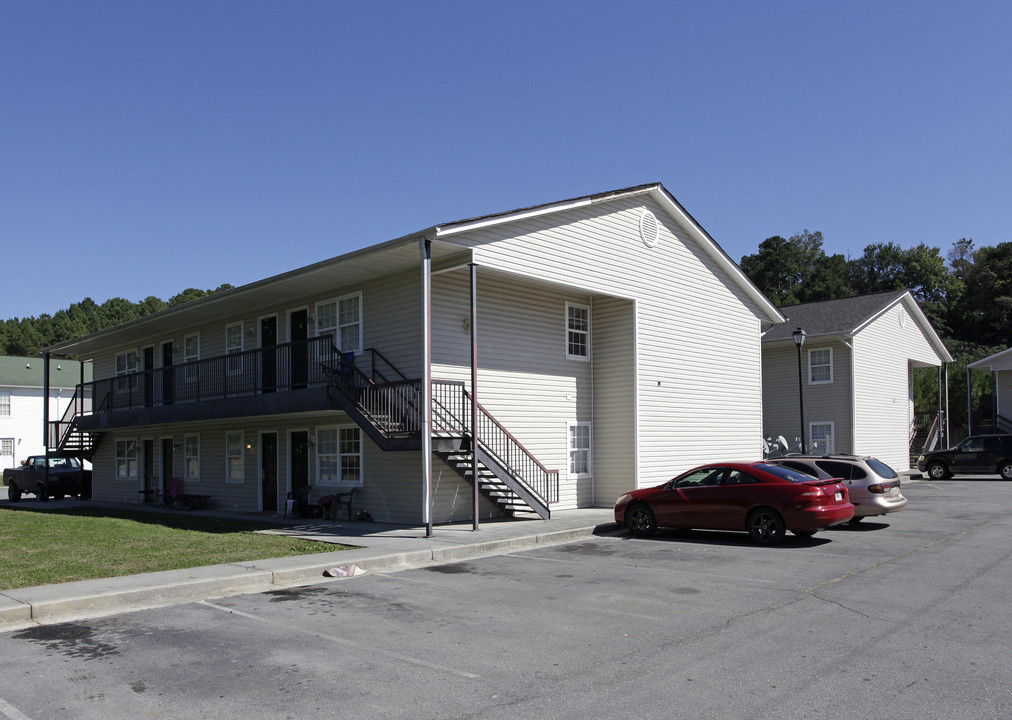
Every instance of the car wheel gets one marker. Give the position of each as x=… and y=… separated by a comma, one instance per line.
x=14, y=493
x=766, y=526
x=1006, y=470
x=938, y=471
x=640, y=520
x=804, y=533
x=40, y=492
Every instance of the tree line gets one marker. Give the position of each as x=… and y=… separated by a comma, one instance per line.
x=27, y=336
x=967, y=296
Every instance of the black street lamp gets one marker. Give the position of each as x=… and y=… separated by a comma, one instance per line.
x=799, y=340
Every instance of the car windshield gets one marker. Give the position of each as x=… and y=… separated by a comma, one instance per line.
x=881, y=469
x=785, y=473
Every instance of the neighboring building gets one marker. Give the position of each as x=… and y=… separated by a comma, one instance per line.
x=857, y=374
x=617, y=345
x=997, y=417
x=22, y=406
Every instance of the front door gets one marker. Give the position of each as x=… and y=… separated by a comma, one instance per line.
x=166, y=464
x=269, y=471
x=299, y=332
x=149, y=471
x=149, y=376
x=268, y=359
x=300, y=461
x=167, y=376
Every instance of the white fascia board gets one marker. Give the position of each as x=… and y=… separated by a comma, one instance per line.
x=442, y=231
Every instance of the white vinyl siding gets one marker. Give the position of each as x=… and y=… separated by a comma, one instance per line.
x=883, y=354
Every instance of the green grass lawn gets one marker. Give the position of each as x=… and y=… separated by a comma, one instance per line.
x=41, y=547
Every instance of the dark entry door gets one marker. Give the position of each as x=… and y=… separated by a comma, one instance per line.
x=269, y=471
x=149, y=376
x=299, y=331
x=149, y=470
x=166, y=464
x=268, y=358
x=300, y=461
x=167, y=373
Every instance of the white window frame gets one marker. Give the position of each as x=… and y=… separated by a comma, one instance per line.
x=812, y=366
x=6, y=448
x=233, y=365
x=191, y=458
x=235, y=456
x=5, y=403
x=128, y=455
x=577, y=334
x=335, y=452
x=190, y=355
x=832, y=438
x=128, y=362
x=337, y=328
x=572, y=450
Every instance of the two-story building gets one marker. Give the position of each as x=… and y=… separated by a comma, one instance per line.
x=608, y=339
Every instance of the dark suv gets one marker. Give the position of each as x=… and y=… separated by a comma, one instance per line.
x=981, y=454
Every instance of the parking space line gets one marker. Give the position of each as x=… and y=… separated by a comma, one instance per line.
x=11, y=712
x=367, y=649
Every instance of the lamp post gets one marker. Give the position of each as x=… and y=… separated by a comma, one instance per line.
x=799, y=340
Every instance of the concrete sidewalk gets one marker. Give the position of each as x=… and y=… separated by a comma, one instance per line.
x=379, y=547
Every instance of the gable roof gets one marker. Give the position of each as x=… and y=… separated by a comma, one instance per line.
x=19, y=371
x=392, y=256
x=846, y=317
x=999, y=361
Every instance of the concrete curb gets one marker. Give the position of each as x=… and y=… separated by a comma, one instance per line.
x=49, y=604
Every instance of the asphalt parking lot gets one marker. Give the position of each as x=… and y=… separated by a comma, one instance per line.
x=903, y=617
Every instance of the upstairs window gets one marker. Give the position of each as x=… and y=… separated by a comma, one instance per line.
x=191, y=354
x=577, y=332
x=820, y=366
x=5, y=403
x=342, y=320
x=127, y=364
x=233, y=348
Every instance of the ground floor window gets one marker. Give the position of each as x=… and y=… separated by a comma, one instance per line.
x=579, y=448
x=821, y=438
x=234, y=446
x=339, y=456
x=126, y=459
x=191, y=458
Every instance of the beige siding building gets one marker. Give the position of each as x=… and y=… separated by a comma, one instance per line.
x=617, y=345
x=856, y=373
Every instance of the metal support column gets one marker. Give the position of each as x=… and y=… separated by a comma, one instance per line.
x=425, y=245
x=474, y=389
x=969, y=402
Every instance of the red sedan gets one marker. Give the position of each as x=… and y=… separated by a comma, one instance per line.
x=764, y=500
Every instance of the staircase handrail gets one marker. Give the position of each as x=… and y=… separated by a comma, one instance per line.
x=933, y=434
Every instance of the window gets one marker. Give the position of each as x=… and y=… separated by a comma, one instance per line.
x=5, y=402
x=342, y=320
x=577, y=332
x=126, y=459
x=6, y=449
x=339, y=456
x=191, y=458
x=820, y=366
x=127, y=363
x=191, y=353
x=704, y=477
x=234, y=446
x=821, y=438
x=233, y=347
x=847, y=471
x=579, y=448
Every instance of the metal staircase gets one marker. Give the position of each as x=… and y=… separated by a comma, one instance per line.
x=388, y=411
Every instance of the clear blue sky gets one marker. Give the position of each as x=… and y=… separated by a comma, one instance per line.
x=148, y=147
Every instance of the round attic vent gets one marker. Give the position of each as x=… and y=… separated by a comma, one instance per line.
x=649, y=231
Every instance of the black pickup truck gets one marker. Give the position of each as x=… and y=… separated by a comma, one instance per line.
x=66, y=477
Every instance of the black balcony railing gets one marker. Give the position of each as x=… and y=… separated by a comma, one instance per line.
x=289, y=366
